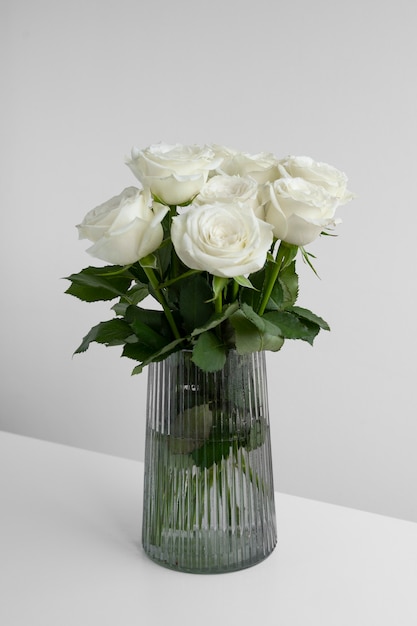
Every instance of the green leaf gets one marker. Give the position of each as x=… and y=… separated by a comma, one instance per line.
x=314, y=331
x=276, y=299
x=150, y=260
x=100, y=283
x=159, y=200
x=253, y=295
x=311, y=317
x=147, y=336
x=257, y=434
x=244, y=282
x=306, y=256
x=194, y=305
x=137, y=351
x=160, y=355
x=289, y=252
x=258, y=278
x=156, y=320
x=120, y=308
x=213, y=451
x=152, y=336
x=249, y=338
x=261, y=323
x=216, y=319
x=139, y=273
x=137, y=293
x=288, y=280
x=292, y=327
x=111, y=333
x=285, y=290
x=209, y=353
x=163, y=256
x=219, y=283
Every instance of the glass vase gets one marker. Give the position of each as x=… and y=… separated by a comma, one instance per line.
x=208, y=486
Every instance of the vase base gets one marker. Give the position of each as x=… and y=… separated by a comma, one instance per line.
x=205, y=561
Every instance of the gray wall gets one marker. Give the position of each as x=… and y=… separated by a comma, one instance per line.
x=85, y=80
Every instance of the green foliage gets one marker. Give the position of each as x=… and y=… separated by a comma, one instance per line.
x=209, y=352
x=251, y=336
x=219, y=444
x=214, y=449
x=206, y=314
x=287, y=284
x=216, y=320
x=153, y=357
x=244, y=282
x=310, y=317
x=194, y=302
x=219, y=284
x=155, y=321
x=111, y=333
x=100, y=283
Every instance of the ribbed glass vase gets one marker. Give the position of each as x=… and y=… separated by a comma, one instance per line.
x=208, y=487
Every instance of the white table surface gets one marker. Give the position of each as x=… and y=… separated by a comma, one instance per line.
x=70, y=554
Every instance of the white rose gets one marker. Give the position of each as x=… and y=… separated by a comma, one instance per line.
x=223, y=153
x=174, y=173
x=331, y=179
x=262, y=167
x=298, y=210
x=225, y=189
x=224, y=239
x=125, y=228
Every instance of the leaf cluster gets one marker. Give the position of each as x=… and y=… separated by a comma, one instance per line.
x=195, y=310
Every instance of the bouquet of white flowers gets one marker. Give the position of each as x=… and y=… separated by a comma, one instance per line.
x=212, y=235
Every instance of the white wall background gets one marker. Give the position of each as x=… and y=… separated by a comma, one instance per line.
x=83, y=81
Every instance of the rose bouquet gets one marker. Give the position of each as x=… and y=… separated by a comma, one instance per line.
x=212, y=237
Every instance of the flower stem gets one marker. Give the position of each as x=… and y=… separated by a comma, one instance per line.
x=272, y=279
x=171, y=281
x=161, y=299
x=218, y=303
x=174, y=269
